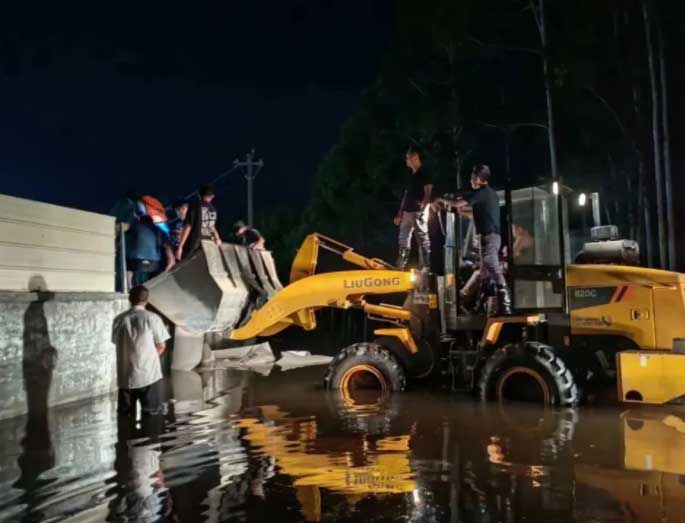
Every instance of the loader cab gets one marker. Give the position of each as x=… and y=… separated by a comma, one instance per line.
x=535, y=239
x=532, y=252
x=544, y=229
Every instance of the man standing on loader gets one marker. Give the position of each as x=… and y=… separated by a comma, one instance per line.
x=413, y=212
x=482, y=205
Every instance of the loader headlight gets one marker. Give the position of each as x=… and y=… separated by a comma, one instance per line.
x=413, y=276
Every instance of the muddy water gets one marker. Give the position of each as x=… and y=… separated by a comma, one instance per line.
x=237, y=446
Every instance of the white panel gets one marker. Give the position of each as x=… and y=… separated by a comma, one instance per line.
x=18, y=209
x=71, y=250
x=43, y=236
x=23, y=256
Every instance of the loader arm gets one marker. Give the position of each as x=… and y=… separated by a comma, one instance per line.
x=307, y=257
x=296, y=303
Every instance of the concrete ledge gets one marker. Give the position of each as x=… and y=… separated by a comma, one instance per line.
x=55, y=348
x=15, y=296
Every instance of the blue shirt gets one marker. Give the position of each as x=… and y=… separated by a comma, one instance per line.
x=145, y=241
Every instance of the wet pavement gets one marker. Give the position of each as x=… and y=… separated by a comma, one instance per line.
x=238, y=446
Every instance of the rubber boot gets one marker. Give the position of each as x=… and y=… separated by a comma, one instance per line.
x=424, y=259
x=403, y=259
x=504, y=300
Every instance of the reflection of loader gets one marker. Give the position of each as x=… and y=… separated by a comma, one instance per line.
x=571, y=321
x=650, y=478
x=398, y=466
x=354, y=468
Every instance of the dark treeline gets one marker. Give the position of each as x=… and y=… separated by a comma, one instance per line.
x=464, y=80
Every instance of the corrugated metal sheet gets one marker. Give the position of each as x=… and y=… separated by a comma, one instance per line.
x=71, y=250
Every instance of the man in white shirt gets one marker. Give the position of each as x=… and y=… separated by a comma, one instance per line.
x=140, y=338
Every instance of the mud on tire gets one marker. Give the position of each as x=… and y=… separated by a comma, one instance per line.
x=529, y=371
x=365, y=360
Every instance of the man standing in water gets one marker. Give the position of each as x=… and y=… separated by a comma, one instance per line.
x=413, y=213
x=140, y=338
x=482, y=205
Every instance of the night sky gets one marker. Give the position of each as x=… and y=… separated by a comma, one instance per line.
x=98, y=98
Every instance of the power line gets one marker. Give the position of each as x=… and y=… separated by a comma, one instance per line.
x=215, y=180
x=249, y=163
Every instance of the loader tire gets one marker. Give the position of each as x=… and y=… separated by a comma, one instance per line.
x=528, y=371
x=416, y=366
x=365, y=366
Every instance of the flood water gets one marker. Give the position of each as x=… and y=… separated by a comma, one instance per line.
x=238, y=446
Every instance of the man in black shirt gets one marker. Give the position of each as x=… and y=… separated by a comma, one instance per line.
x=483, y=206
x=413, y=213
x=200, y=224
x=249, y=236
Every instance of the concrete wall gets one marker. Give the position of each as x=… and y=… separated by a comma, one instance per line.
x=66, y=249
x=55, y=348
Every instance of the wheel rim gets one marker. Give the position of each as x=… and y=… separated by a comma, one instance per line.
x=521, y=375
x=362, y=377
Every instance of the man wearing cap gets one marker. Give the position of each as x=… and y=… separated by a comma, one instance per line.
x=248, y=236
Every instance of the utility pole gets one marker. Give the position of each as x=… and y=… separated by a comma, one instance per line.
x=250, y=174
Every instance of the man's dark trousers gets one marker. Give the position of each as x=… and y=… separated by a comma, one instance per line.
x=490, y=265
x=149, y=397
x=491, y=272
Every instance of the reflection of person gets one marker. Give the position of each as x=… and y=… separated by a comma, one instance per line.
x=249, y=236
x=140, y=493
x=200, y=223
x=483, y=206
x=411, y=217
x=495, y=451
x=140, y=338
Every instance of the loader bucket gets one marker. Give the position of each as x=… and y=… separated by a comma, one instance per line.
x=215, y=289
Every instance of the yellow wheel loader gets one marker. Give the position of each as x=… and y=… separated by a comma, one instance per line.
x=583, y=310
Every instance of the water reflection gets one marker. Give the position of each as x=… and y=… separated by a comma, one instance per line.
x=649, y=482
x=242, y=447
x=141, y=494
